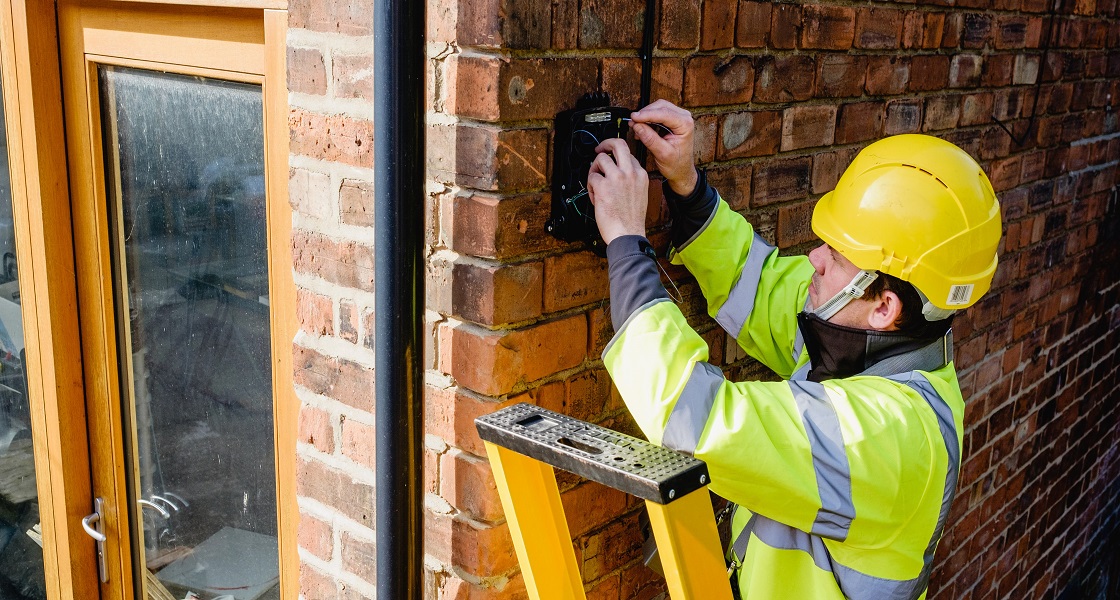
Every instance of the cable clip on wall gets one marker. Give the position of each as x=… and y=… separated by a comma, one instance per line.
x=525, y=442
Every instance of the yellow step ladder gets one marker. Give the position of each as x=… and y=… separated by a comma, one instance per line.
x=524, y=442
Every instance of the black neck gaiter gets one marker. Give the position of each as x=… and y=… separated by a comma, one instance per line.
x=837, y=352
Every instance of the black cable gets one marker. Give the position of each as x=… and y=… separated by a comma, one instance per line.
x=646, y=54
x=1038, y=79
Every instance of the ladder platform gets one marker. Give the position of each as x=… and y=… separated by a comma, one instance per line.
x=613, y=459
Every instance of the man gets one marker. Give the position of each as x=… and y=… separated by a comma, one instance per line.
x=844, y=473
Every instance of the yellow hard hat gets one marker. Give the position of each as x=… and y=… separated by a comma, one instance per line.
x=921, y=209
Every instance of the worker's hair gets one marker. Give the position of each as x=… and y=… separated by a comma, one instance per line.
x=910, y=320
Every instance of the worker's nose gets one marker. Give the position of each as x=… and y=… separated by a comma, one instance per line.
x=817, y=258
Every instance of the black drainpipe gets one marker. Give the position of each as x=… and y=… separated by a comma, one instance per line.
x=398, y=152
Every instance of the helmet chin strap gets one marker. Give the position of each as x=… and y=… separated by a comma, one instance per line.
x=853, y=290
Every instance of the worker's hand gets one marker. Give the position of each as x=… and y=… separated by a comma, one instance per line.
x=618, y=186
x=673, y=154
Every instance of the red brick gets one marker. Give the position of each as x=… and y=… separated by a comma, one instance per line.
x=588, y=395
x=933, y=30
x=524, y=23
x=350, y=18
x=903, y=116
x=335, y=489
x=496, y=363
x=705, y=136
x=1025, y=71
x=355, y=202
x=860, y=122
x=887, y=75
x=449, y=414
x=316, y=536
x=794, y=225
x=479, y=550
x=574, y=279
x=951, y=36
x=352, y=76
x=828, y=166
x=496, y=294
x=488, y=88
x=306, y=71
x=609, y=549
x=913, y=30
x=359, y=556
x=965, y=70
x=357, y=443
x=501, y=227
x=486, y=157
x=733, y=182
x=315, y=312
x=929, y=73
x=343, y=380
x=743, y=134
x=346, y=263
x=347, y=321
x=785, y=26
x=878, y=29
x=781, y=180
x=315, y=585
x=622, y=79
x=1014, y=32
x=808, y=126
x=609, y=24
x=680, y=25
x=712, y=80
x=941, y=112
x=315, y=428
x=591, y=505
x=841, y=75
x=753, y=24
x=331, y=138
x=976, y=30
x=718, y=29
x=468, y=484
x=976, y=109
x=785, y=78
x=828, y=27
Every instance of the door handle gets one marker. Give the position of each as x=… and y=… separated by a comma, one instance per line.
x=95, y=526
x=152, y=505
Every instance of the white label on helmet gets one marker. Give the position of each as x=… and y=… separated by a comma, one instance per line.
x=960, y=295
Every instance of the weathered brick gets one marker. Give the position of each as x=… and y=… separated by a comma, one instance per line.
x=496, y=294
x=609, y=24
x=756, y=133
x=941, y=112
x=712, y=80
x=752, y=28
x=964, y=70
x=781, y=180
x=841, y=75
x=488, y=158
x=785, y=26
x=346, y=263
x=359, y=556
x=717, y=31
x=794, y=224
x=976, y=30
x=929, y=72
x=976, y=109
x=352, y=76
x=733, y=184
x=350, y=18
x=622, y=79
x=574, y=279
x=785, y=78
x=828, y=27
x=339, y=379
x=501, y=227
x=828, y=166
x=307, y=72
x=808, y=126
x=488, y=88
x=680, y=25
x=860, y=121
x=357, y=443
x=315, y=428
x=468, y=484
x=315, y=312
x=316, y=536
x=355, y=202
x=878, y=29
x=332, y=138
x=887, y=75
x=903, y=116
x=495, y=363
x=335, y=489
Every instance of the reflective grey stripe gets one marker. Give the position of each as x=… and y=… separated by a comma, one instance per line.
x=732, y=316
x=739, y=547
x=626, y=323
x=802, y=373
x=929, y=358
x=799, y=338
x=830, y=461
x=690, y=415
x=861, y=586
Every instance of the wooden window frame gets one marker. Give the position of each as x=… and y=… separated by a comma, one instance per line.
x=67, y=393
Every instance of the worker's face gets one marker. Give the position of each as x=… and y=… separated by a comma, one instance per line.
x=834, y=273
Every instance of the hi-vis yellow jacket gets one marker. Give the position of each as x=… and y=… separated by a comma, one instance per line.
x=843, y=486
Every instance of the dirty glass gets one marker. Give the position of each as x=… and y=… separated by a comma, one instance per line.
x=21, y=541
x=185, y=179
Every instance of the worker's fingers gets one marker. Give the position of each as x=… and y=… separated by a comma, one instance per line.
x=617, y=148
x=651, y=140
x=594, y=180
x=604, y=164
x=677, y=119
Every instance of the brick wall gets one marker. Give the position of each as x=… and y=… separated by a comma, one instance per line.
x=784, y=95
x=330, y=82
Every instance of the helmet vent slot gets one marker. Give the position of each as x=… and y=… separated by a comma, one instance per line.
x=938, y=179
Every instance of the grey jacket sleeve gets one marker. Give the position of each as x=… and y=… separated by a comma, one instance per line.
x=632, y=268
x=690, y=213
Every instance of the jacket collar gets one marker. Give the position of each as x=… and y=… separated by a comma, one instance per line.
x=836, y=352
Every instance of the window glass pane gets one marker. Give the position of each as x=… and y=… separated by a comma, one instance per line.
x=185, y=175
x=21, y=545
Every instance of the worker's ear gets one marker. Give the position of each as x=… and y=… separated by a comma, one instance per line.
x=885, y=311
